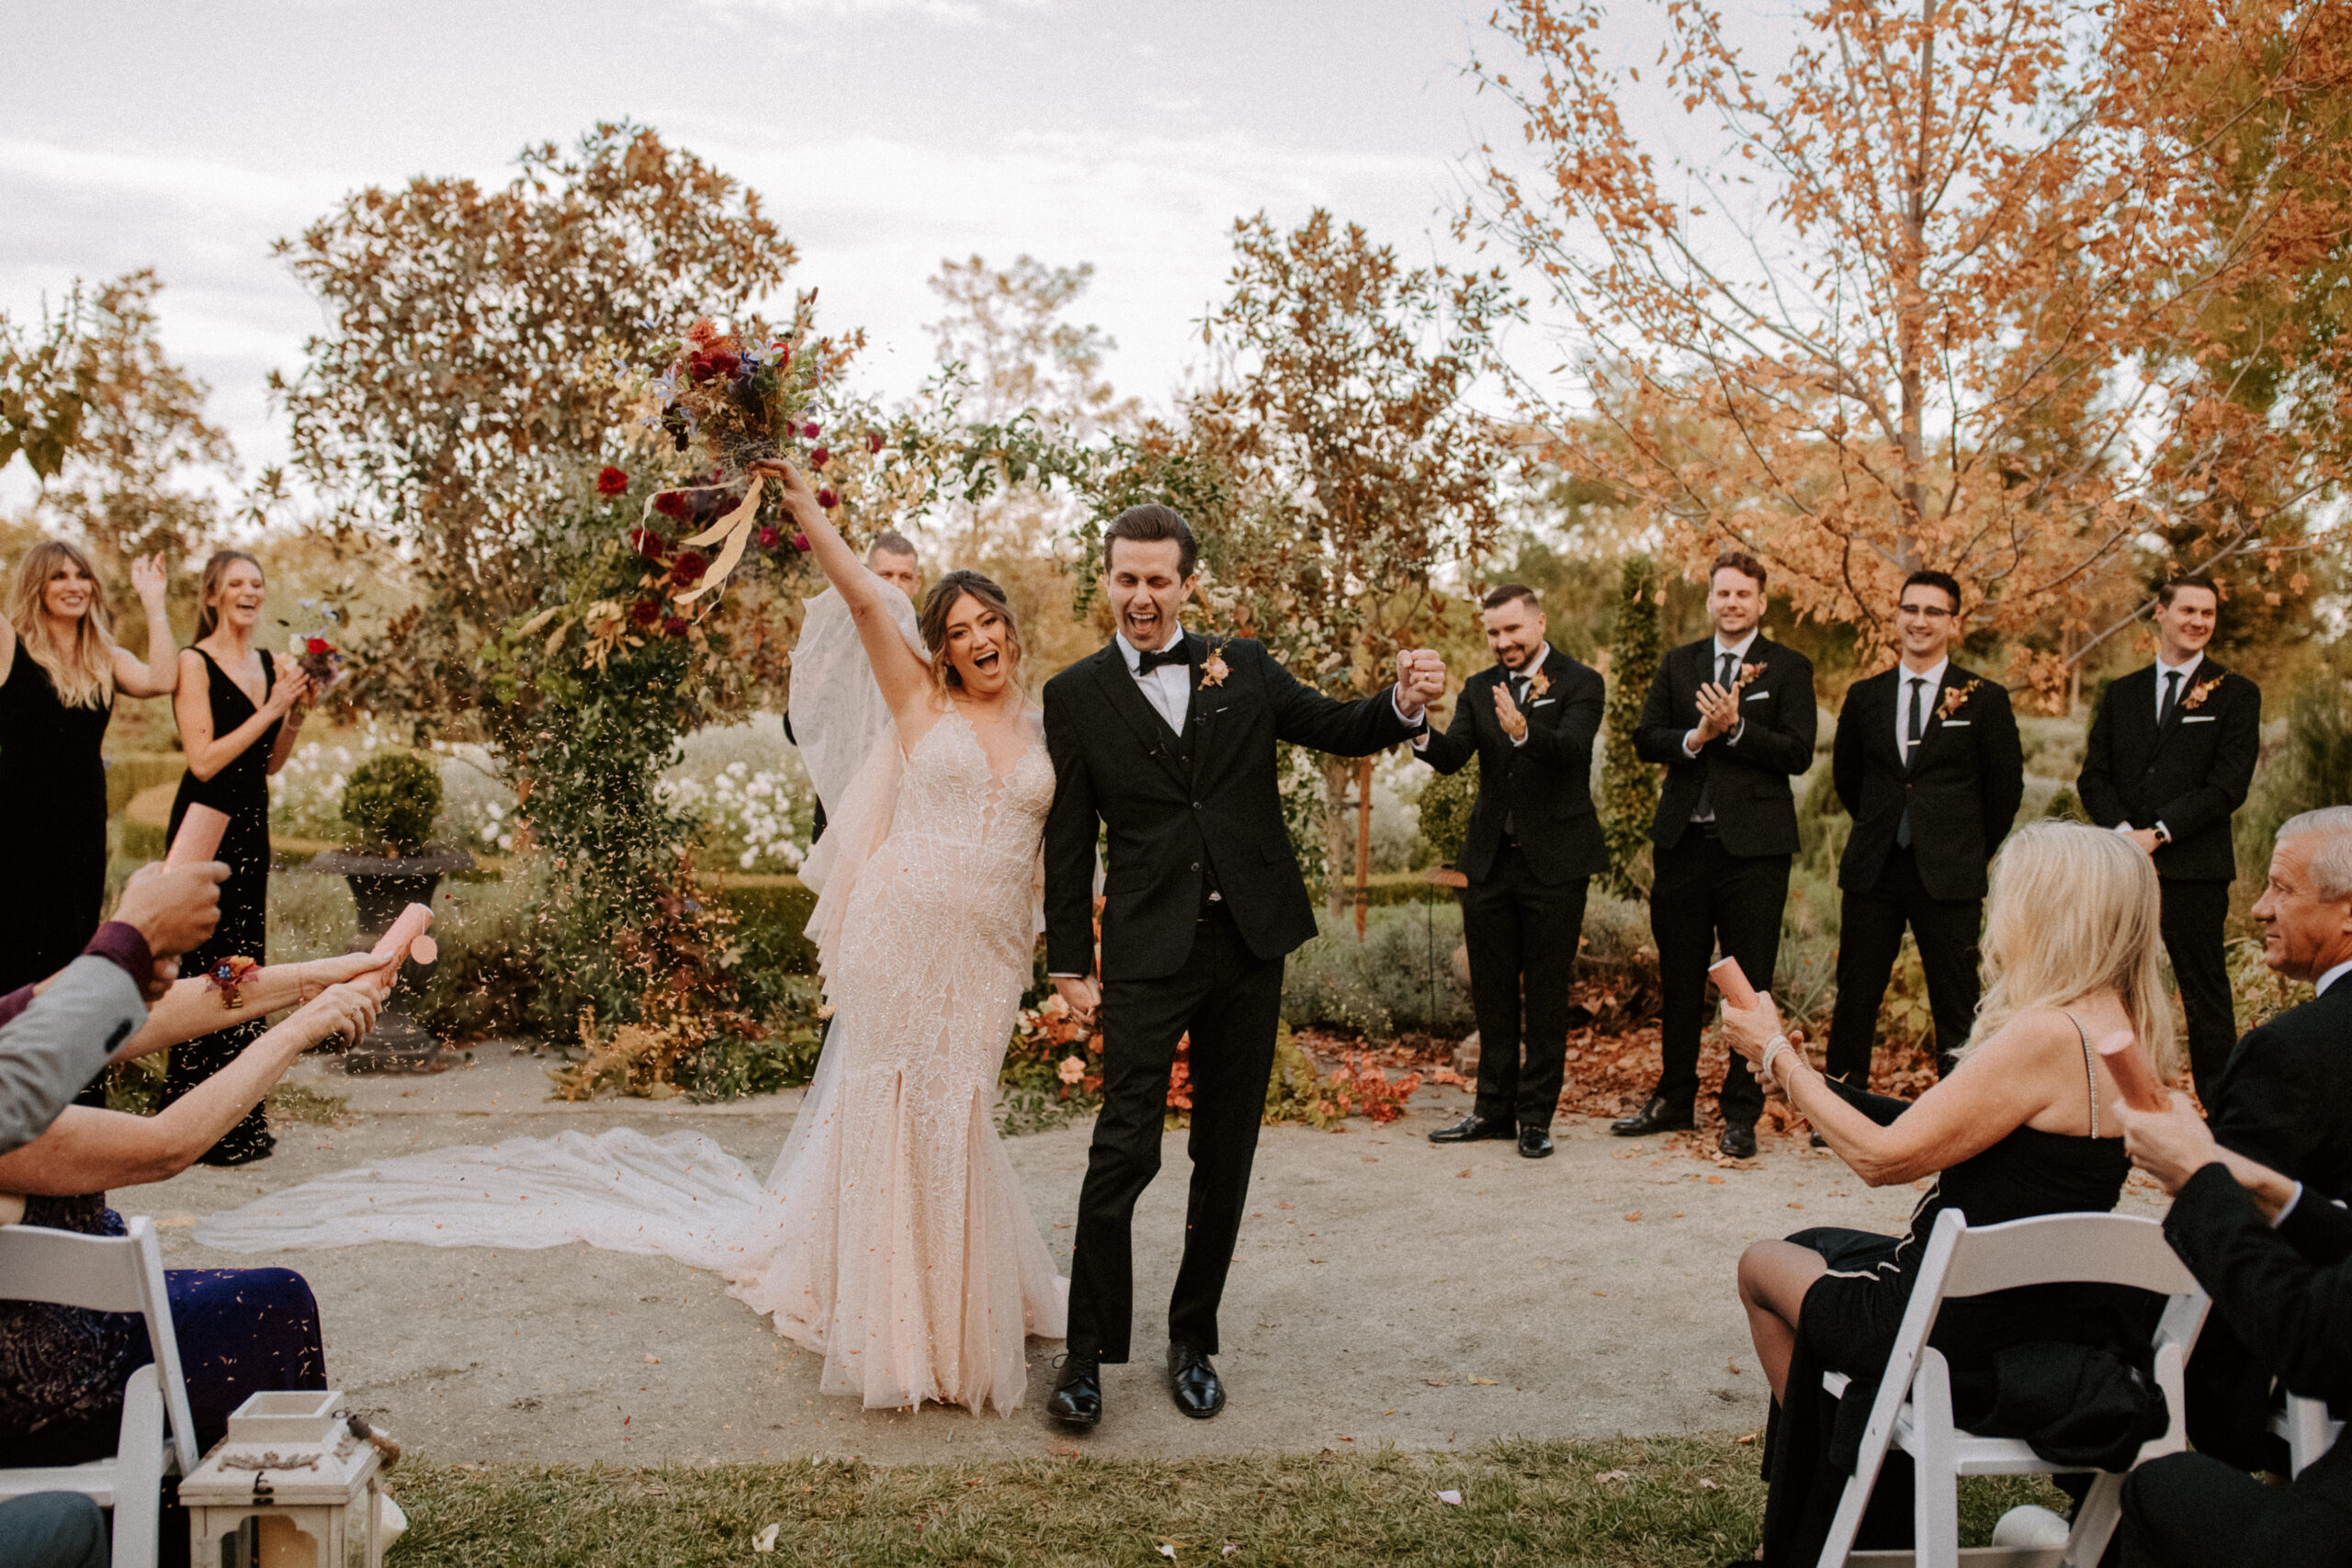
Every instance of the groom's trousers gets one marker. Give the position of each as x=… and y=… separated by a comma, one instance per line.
x=1229, y=1001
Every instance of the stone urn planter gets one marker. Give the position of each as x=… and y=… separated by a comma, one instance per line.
x=390, y=804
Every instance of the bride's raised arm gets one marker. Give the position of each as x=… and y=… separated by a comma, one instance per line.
x=898, y=669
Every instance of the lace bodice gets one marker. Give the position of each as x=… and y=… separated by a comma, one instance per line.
x=951, y=793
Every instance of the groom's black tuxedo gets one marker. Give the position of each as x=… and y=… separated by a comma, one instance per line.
x=1202, y=899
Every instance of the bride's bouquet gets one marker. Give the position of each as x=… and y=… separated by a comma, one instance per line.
x=743, y=394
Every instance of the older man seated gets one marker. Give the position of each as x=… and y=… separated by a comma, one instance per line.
x=2286, y=1102
x=2277, y=1258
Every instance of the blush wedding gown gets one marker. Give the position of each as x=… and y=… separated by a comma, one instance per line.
x=891, y=1236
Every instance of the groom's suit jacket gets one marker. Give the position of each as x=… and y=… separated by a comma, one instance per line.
x=1183, y=809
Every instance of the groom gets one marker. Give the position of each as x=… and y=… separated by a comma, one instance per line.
x=1167, y=740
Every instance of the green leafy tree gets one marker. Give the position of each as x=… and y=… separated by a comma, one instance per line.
x=1628, y=784
x=45, y=382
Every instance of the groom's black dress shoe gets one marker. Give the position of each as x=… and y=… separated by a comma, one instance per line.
x=1739, y=1140
x=1193, y=1382
x=1534, y=1143
x=1471, y=1128
x=1658, y=1116
x=1077, y=1399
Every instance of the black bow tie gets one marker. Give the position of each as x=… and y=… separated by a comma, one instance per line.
x=1149, y=660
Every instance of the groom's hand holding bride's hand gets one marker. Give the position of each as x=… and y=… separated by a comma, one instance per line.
x=1082, y=994
x=1420, y=679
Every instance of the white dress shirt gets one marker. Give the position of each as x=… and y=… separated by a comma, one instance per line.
x=1738, y=650
x=1934, y=677
x=2188, y=678
x=1168, y=688
x=2333, y=976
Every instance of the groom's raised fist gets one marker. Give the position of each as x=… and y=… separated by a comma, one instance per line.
x=1420, y=679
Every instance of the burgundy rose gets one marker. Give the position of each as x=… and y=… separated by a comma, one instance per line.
x=698, y=367
x=828, y=500
x=820, y=457
x=611, y=480
x=723, y=364
x=769, y=538
x=645, y=612
x=675, y=626
x=648, y=544
x=318, y=647
x=688, y=569
x=800, y=543
x=672, y=504
x=809, y=431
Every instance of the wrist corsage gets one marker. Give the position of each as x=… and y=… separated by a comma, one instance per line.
x=228, y=978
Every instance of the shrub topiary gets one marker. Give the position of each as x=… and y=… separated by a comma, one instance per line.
x=392, y=802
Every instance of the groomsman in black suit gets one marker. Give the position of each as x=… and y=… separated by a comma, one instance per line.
x=1927, y=763
x=1732, y=717
x=1532, y=845
x=2171, y=755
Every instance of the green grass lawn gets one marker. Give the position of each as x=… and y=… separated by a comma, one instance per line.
x=1658, y=1502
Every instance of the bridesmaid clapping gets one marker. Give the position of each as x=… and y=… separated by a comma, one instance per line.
x=238, y=719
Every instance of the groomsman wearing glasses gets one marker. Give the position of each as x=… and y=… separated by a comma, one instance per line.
x=1532, y=845
x=1926, y=762
x=1732, y=717
x=2171, y=756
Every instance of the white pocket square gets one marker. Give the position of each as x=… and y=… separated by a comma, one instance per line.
x=1958, y=722
x=1758, y=697
x=2196, y=718
x=1540, y=702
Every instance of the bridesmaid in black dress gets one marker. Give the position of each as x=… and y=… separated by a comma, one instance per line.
x=59, y=674
x=239, y=715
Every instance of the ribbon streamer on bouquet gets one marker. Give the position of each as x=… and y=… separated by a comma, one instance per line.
x=735, y=528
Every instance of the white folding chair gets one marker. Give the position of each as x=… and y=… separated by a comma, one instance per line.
x=1913, y=1411
x=107, y=1273
x=2309, y=1429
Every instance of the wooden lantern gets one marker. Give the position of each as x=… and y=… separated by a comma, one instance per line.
x=290, y=1486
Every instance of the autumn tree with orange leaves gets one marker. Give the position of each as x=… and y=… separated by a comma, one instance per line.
x=1964, y=290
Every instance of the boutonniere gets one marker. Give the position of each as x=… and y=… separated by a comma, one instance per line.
x=1956, y=697
x=227, y=976
x=1538, y=683
x=2200, y=692
x=1749, y=675
x=1213, y=669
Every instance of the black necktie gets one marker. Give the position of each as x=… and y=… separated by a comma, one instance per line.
x=1730, y=671
x=1912, y=732
x=1705, y=810
x=1149, y=660
x=2172, y=694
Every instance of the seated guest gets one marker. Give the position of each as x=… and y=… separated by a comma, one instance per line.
x=2277, y=1258
x=241, y=1331
x=53, y=1043
x=2023, y=1125
x=52, y=1529
x=2285, y=1101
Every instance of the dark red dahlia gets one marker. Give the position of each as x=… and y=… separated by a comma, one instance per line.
x=723, y=364
x=648, y=543
x=610, y=480
x=769, y=538
x=672, y=504
x=687, y=569
x=828, y=500
x=645, y=612
x=820, y=457
x=800, y=543
x=674, y=626
x=809, y=431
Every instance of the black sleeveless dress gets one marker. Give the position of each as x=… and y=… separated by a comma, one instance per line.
x=52, y=824
x=1851, y=1314
x=242, y=791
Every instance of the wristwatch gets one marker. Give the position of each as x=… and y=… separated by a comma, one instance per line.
x=2163, y=833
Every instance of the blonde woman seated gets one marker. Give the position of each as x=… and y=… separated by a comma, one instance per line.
x=2025, y=1124
x=240, y=1330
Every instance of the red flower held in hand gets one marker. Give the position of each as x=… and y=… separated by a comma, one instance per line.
x=674, y=626
x=317, y=646
x=820, y=457
x=645, y=612
x=828, y=500
x=769, y=538
x=611, y=480
x=688, y=569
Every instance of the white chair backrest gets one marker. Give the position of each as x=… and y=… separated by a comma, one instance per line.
x=2105, y=1249
x=104, y=1274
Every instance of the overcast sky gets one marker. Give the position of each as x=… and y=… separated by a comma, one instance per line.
x=884, y=134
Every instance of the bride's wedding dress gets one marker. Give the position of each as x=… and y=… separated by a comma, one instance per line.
x=891, y=1236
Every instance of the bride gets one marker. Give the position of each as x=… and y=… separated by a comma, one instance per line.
x=891, y=1236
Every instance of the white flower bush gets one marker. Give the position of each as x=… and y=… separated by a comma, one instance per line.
x=743, y=782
